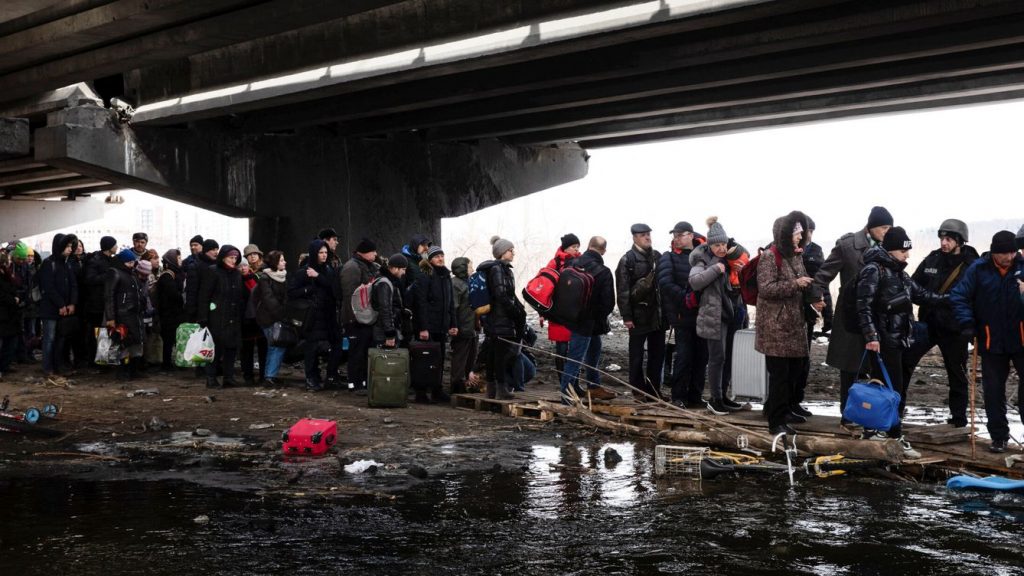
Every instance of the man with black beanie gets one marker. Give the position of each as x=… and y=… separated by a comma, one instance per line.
x=845, y=346
x=330, y=237
x=989, y=302
x=195, y=276
x=360, y=269
x=940, y=272
x=885, y=295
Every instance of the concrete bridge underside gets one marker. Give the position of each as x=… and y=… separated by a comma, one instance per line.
x=302, y=113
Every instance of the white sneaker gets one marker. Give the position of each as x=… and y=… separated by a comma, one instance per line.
x=908, y=452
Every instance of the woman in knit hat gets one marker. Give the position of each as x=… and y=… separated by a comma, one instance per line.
x=885, y=294
x=506, y=321
x=123, y=310
x=221, y=307
x=569, y=249
x=716, y=312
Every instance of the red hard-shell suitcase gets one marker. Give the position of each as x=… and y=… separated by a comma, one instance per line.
x=309, y=437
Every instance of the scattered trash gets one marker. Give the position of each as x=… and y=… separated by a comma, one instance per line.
x=156, y=424
x=933, y=375
x=260, y=426
x=210, y=399
x=389, y=420
x=202, y=519
x=821, y=340
x=360, y=466
x=144, y=392
x=265, y=394
x=235, y=419
x=168, y=399
x=202, y=432
x=613, y=368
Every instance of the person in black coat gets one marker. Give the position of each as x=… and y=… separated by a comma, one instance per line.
x=221, y=304
x=59, y=299
x=585, y=342
x=885, y=294
x=271, y=297
x=434, y=314
x=195, y=274
x=93, y=286
x=679, y=304
x=506, y=321
x=314, y=284
x=940, y=272
x=123, y=308
x=10, y=314
x=639, y=302
x=170, y=303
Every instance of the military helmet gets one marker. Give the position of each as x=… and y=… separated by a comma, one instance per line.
x=954, y=226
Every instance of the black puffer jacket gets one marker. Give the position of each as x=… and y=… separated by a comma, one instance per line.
x=94, y=279
x=435, y=300
x=222, y=298
x=931, y=274
x=645, y=311
x=123, y=301
x=320, y=293
x=674, y=283
x=602, y=295
x=507, y=317
x=884, y=296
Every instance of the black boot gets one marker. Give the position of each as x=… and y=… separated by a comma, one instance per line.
x=501, y=392
x=491, y=389
x=211, y=382
x=438, y=395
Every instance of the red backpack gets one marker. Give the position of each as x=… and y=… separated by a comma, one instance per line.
x=748, y=276
x=539, y=293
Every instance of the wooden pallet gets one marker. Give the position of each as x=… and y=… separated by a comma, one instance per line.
x=522, y=405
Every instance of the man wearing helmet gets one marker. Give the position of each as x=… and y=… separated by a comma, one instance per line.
x=940, y=272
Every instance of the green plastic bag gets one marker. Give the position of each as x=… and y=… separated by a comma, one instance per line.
x=181, y=336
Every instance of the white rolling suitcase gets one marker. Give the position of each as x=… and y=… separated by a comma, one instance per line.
x=749, y=375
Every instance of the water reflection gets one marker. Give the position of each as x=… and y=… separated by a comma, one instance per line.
x=566, y=511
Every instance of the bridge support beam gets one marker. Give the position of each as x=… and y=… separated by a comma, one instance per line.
x=292, y=185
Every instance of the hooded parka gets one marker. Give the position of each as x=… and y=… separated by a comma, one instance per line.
x=222, y=301
x=781, y=328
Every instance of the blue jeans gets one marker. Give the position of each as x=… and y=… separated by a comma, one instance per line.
x=275, y=356
x=520, y=372
x=588, y=350
x=52, y=346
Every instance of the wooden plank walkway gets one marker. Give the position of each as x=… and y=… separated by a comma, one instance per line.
x=938, y=444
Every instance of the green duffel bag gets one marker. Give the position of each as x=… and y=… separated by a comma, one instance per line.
x=388, y=383
x=181, y=336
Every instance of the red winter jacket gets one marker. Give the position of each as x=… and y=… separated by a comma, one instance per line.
x=557, y=332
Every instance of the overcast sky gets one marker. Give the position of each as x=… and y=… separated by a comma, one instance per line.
x=924, y=167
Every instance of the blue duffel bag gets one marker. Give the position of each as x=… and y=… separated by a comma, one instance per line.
x=873, y=404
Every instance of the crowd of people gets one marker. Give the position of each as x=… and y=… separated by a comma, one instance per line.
x=698, y=291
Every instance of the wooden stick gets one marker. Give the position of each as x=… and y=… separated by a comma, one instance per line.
x=974, y=386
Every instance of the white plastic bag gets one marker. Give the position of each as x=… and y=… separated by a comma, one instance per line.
x=108, y=352
x=199, y=349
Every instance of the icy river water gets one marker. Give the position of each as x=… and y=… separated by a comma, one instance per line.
x=562, y=510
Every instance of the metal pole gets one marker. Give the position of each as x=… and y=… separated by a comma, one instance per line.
x=974, y=384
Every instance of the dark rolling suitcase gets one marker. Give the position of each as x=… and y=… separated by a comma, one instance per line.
x=388, y=383
x=425, y=364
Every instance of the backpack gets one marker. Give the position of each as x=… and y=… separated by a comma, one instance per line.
x=362, y=305
x=539, y=293
x=748, y=276
x=479, y=295
x=571, y=299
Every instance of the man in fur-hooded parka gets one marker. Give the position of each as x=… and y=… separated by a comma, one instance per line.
x=781, y=326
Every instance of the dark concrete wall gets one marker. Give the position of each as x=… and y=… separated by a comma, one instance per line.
x=388, y=191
